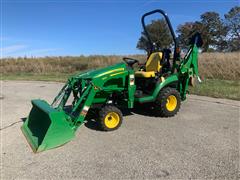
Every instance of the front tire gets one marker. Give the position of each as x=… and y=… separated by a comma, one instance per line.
x=110, y=118
x=168, y=102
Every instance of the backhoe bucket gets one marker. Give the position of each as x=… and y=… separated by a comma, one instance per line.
x=46, y=127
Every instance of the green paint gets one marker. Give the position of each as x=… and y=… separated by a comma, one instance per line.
x=46, y=128
x=50, y=126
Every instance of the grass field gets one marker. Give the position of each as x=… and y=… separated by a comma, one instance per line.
x=211, y=65
x=218, y=88
x=220, y=70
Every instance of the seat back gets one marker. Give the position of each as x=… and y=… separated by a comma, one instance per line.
x=153, y=62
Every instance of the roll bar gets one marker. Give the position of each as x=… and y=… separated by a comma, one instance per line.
x=167, y=20
x=176, y=54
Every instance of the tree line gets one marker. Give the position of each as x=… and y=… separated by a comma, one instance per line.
x=220, y=35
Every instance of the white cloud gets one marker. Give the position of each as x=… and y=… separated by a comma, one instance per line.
x=21, y=51
x=37, y=52
x=12, y=49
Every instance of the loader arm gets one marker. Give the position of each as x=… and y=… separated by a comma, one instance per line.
x=50, y=126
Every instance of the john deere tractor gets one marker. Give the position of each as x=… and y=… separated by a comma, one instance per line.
x=161, y=81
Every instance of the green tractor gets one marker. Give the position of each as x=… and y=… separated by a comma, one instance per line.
x=161, y=81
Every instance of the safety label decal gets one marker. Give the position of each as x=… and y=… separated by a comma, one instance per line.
x=131, y=79
x=85, y=110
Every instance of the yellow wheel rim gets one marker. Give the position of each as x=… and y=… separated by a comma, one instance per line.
x=112, y=120
x=171, y=103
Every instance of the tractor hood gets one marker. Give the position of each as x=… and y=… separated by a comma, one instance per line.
x=99, y=73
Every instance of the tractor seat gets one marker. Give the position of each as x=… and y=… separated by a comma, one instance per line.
x=152, y=66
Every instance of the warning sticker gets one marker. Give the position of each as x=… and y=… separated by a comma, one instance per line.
x=131, y=79
x=85, y=110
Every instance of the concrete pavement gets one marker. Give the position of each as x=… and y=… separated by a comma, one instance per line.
x=202, y=141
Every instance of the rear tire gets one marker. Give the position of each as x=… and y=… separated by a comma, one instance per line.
x=110, y=118
x=168, y=102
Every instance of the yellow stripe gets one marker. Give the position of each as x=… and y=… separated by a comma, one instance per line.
x=108, y=72
x=116, y=74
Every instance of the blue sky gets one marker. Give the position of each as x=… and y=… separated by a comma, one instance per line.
x=81, y=27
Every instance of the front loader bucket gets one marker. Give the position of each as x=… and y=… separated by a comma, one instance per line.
x=46, y=127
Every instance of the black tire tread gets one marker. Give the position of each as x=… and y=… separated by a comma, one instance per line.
x=160, y=104
x=103, y=112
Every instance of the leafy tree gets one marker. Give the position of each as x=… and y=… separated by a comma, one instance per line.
x=217, y=34
x=186, y=31
x=212, y=29
x=159, y=34
x=232, y=20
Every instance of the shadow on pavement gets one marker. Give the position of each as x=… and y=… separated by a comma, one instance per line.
x=91, y=118
x=24, y=119
x=145, y=110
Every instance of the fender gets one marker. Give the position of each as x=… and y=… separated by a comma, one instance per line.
x=166, y=82
x=170, y=80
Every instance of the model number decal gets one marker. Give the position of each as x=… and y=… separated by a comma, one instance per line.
x=85, y=110
x=131, y=79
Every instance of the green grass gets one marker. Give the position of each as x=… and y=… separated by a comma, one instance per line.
x=218, y=88
x=210, y=87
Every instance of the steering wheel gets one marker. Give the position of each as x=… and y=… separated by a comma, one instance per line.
x=130, y=61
